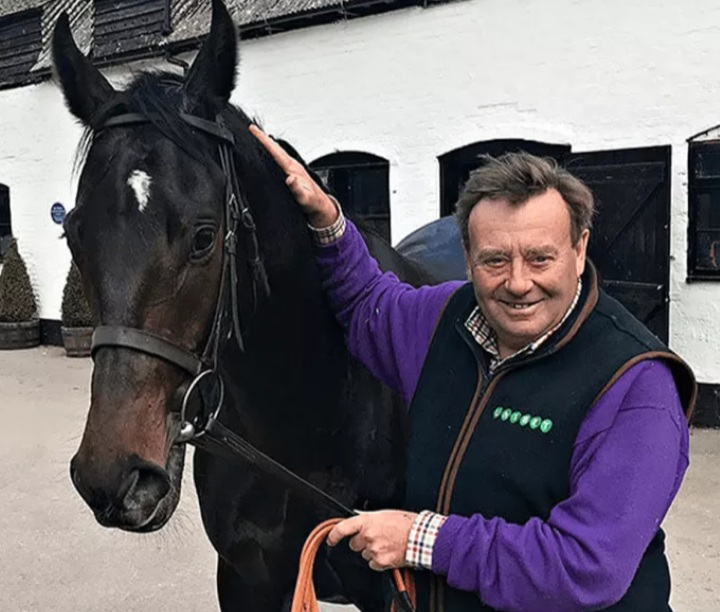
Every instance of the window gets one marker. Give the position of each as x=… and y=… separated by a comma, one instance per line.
x=20, y=45
x=456, y=166
x=360, y=181
x=5, y=224
x=704, y=210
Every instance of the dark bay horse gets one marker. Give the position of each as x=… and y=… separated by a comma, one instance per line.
x=147, y=232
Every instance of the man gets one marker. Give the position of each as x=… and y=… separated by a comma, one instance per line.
x=549, y=427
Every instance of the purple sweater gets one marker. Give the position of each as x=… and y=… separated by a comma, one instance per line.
x=628, y=460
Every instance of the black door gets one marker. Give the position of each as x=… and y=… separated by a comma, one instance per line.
x=630, y=240
x=5, y=223
x=361, y=183
x=456, y=166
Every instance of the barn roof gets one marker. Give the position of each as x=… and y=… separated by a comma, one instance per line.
x=8, y=7
x=114, y=32
x=193, y=16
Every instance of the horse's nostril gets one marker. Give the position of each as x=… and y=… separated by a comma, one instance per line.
x=144, y=487
x=128, y=499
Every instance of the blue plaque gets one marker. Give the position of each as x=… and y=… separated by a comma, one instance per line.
x=57, y=212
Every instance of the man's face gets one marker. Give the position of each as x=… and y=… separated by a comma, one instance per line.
x=524, y=266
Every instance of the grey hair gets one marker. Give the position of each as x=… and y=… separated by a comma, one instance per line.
x=516, y=177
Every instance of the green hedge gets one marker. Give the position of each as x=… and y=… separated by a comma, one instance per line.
x=75, y=308
x=17, y=299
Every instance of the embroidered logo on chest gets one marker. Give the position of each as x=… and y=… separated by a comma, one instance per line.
x=515, y=417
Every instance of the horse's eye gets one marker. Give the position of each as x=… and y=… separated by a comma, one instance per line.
x=203, y=241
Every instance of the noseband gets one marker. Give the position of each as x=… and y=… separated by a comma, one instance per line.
x=237, y=215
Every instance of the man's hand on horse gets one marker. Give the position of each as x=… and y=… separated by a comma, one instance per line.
x=380, y=537
x=316, y=204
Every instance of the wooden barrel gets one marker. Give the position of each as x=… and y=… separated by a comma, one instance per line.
x=77, y=341
x=25, y=334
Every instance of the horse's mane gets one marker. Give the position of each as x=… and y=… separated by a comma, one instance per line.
x=159, y=94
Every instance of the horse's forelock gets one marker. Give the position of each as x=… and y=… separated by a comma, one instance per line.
x=159, y=95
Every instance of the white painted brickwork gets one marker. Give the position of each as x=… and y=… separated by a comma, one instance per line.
x=414, y=84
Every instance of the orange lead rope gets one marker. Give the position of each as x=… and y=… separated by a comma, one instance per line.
x=304, y=598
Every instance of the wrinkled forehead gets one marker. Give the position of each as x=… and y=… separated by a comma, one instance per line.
x=546, y=211
x=541, y=223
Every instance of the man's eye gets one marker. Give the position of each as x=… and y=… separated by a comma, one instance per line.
x=494, y=262
x=540, y=260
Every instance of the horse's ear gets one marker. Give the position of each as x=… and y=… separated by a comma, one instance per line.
x=84, y=87
x=212, y=75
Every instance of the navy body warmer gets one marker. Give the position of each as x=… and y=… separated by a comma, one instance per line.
x=502, y=446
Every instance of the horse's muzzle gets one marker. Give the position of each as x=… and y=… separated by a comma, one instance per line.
x=130, y=500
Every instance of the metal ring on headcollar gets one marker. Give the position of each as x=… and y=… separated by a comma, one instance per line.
x=188, y=428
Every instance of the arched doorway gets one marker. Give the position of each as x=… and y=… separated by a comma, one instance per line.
x=456, y=166
x=361, y=182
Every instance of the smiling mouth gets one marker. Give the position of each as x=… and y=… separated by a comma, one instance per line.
x=519, y=305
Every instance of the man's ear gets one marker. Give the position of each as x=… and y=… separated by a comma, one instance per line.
x=581, y=251
x=468, y=265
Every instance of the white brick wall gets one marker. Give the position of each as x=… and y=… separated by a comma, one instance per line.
x=37, y=142
x=414, y=84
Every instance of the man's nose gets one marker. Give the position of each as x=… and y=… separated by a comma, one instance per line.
x=518, y=281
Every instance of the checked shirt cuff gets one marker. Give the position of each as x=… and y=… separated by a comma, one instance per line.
x=324, y=236
x=423, y=534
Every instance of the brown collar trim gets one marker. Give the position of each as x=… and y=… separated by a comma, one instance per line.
x=587, y=307
x=670, y=358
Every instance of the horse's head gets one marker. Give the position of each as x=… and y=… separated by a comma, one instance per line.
x=147, y=234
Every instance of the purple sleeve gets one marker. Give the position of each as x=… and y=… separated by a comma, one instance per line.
x=628, y=461
x=388, y=324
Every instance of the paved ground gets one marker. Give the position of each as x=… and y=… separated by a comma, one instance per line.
x=54, y=557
